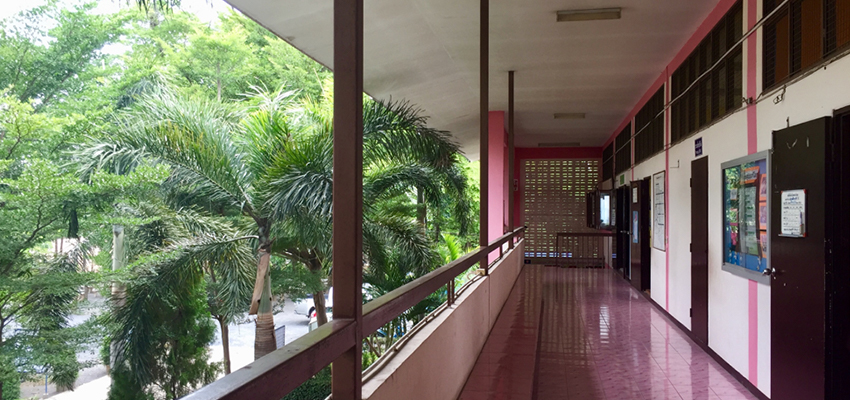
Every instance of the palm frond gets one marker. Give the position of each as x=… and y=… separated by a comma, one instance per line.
x=192, y=136
x=163, y=281
x=301, y=178
x=397, y=130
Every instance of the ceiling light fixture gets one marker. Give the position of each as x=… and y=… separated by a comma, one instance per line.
x=569, y=115
x=559, y=144
x=589, y=15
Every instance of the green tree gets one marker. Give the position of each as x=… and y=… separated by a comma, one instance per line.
x=160, y=321
x=274, y=169
x=50, y=66
x=216, y=59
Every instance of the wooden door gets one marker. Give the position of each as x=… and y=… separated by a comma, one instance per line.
x=699, y=249
x=623, y=238
x=639, y=234
x=798, y=287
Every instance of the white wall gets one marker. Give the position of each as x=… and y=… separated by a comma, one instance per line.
x=658, y=264
x=811, y=97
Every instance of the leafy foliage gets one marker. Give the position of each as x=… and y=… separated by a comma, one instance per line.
x=316, y=388
x=163, y=141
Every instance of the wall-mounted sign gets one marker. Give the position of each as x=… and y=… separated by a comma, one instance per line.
x=698, y=147
x=746, y=216
x=658, y=210
x=635, y=195
x=623, y=179
x=793, y=213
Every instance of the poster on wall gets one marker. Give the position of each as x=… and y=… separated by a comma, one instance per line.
x=658, y=212
x=746, y=215
x=793, y=213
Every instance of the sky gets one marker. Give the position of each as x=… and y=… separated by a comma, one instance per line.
x=205, y=10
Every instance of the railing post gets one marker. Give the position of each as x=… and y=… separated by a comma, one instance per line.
x=511, y=176
x=484, y=74
x=348, y=191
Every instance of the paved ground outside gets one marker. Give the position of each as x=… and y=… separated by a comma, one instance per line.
x=93, y=383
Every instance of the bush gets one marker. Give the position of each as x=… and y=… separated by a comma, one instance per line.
x=9, y=379
x=316, y=388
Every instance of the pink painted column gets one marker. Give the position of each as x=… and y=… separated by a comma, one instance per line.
x=497, y=163
x=752, y=147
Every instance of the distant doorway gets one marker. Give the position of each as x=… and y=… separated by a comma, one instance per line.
x=640, y=257
x=623, y=263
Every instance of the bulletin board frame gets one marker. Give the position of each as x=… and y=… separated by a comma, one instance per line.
x=753, y=208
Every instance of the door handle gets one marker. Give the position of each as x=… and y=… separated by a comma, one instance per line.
x=771, y=272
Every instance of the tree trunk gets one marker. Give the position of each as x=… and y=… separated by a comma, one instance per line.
x=315, y=266
x=225, y=343
x=421, y=208
x=264, y=340
x=321, y=310
x=117, y=289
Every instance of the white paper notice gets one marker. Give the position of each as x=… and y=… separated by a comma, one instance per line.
x=793, y=213
x=658, y=210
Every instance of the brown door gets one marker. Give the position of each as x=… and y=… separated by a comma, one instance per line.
x=798, y=287
x=639, y=234
x=838, y=239
x=699, y=249
x=623, y=239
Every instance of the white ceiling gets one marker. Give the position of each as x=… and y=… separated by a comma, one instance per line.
x=426, y=51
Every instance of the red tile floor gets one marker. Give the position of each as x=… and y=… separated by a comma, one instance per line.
x=589, y=335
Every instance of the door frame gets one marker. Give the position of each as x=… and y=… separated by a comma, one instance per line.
x=838, y=236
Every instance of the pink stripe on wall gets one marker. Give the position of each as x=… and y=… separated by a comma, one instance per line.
x=667, y=140
x=753, y=342
x=752, y=147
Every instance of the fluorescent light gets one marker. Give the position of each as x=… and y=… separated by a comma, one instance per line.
x=569, y=115
x=589, y=15
x=559, y=144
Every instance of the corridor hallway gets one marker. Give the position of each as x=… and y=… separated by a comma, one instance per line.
x=587, y=334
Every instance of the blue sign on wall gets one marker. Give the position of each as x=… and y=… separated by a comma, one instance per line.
x=698, y=147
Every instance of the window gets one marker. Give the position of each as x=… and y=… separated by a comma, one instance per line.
x=608, y=162
x=701, y=94
x=837, y=25
x=649, y=127
x=623, y=144
x=802, y=34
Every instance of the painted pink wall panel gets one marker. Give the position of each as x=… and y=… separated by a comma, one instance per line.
x=496, y=173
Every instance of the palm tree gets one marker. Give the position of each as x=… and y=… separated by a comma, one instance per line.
x=272, y=167
x=171, y=253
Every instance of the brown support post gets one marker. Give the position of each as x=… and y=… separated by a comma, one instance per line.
x=484, y=62
x=348, y=191
x=511, y=176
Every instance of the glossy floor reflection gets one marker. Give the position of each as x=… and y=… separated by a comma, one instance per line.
x=586, y=334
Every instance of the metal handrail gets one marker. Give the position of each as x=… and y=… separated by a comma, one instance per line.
x=396, y=347
x=283, y=370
